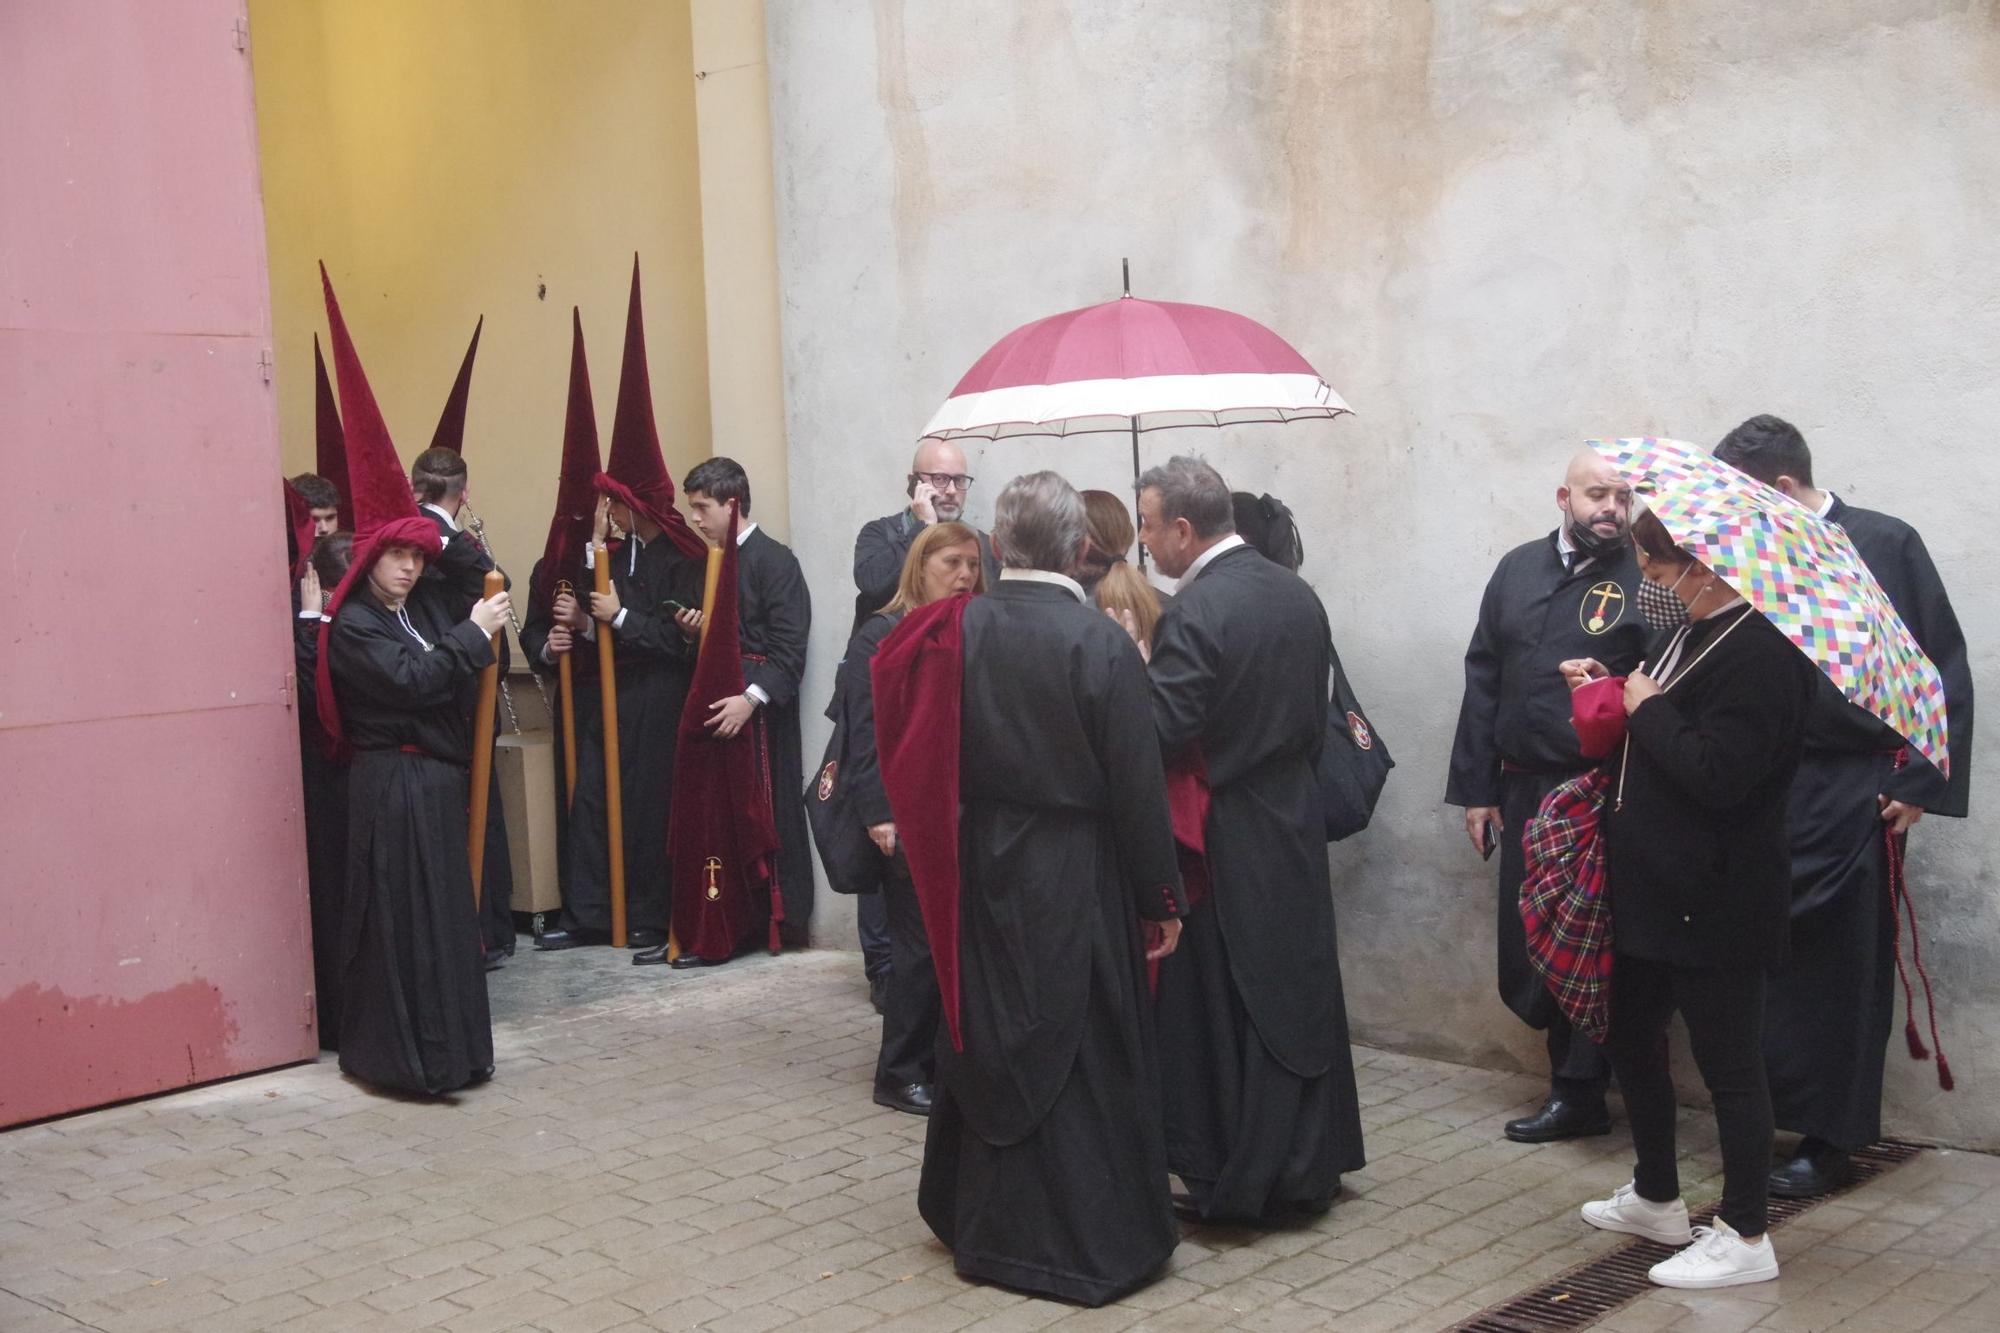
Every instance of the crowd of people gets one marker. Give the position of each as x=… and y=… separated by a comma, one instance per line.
x=1083, y=819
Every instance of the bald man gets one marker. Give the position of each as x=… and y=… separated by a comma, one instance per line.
x=1572, y=593
x=937, y=487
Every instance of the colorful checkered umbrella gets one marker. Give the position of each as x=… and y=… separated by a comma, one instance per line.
x=1800, y=571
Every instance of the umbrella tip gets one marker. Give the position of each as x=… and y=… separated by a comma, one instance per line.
x=1126, y=266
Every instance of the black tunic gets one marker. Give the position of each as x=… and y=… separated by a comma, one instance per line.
x=880, y=549
x=1831, y=1009
x=1696, y=857
x=536, y=623
x=1262, y=1113
x=774, y=617
x=1044, y=1167
x=653, y=661
x=1515, y=743
x=413, y=1013
x=325, y=791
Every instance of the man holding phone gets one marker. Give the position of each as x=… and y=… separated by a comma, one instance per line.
x=1570, y=594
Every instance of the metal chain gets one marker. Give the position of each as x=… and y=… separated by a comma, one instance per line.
x=477, y=528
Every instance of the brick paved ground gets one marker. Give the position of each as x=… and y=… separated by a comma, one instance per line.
x=668, y=1151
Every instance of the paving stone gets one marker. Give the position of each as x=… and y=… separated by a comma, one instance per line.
x=701, y=1152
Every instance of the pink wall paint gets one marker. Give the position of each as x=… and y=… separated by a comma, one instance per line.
x=151, y=849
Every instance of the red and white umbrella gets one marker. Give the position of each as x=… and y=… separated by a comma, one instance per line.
x=1130, y=365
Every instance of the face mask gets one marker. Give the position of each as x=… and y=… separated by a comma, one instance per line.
x=1661, y=608
x=1594, y=545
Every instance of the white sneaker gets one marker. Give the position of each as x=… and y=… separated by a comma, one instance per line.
x=1718, y=1258
x=1625, y=1211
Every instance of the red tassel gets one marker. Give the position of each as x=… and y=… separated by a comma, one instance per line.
x=1918, y=1051
x=1945, y=1080
x=774, y=935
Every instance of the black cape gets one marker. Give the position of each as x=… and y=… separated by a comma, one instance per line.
x=1515, y=743
x=1044, y=1167
x=324, y=783
x=653, y=661
x=1831, y=1009
x=413, y=1010
x=1262, y=1114
x=774, y=618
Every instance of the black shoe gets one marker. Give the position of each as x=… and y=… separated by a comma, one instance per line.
x=688, y=960
x=645, y=939
x=551, y=940
x=495, y=957
x=651, y=957
x=1186, y=1207
x=915, y=1098
x=1560, y=1118
x=1817, y=1168
x=878, y=991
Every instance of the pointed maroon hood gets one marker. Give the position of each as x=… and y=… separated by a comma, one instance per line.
x=450, y=432
x=636, y=473
x=329, y=447
x=576, y=489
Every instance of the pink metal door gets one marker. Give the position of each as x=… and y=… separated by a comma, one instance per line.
x=152, y=901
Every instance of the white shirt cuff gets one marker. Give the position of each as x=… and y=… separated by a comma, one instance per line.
x=590, y=556
x=308, y=615
x=757, y=692
x=618, y=621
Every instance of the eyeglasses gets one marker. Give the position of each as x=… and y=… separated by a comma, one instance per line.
x=946, y=481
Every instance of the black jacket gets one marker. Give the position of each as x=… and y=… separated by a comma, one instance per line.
x=879, y=551
x=1698, y=858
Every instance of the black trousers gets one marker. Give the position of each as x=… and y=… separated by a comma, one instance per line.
x=1724, y=1012
x=911, y=1009
x=1577, y=1067
x=871, y=924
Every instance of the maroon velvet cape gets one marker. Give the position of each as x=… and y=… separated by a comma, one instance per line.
x=719, y=834
x=918, y=675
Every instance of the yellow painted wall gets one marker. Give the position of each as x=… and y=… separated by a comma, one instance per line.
x=452, y=158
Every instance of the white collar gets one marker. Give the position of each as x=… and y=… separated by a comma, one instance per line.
x=743, y=533
x=1044, y=576
x=439, y=510
x=1825, y=504
x=1564, y=546
x=1201, y=562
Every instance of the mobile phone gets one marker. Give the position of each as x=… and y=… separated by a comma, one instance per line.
x=1486, y=852
x=673, y=605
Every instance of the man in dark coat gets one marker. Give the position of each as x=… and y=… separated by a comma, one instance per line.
x=1832, y=1007
x=937, y=486
x=1262, y=1115
x=774, y=619
x=1571, y=594
x=1044, y=1167
x=437, y=483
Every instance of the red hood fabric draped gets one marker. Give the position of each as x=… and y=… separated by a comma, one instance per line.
x=918, y=676
x=576, y=491
x=298, y=527
x=329, y=445
x=636, y=473
x=720, y=837
x=385, y=515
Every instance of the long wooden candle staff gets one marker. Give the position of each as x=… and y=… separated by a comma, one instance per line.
x=482, y=746
x=568, y=691
x=614, y=791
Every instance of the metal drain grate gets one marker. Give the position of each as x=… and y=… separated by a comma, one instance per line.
x=1592, y=1290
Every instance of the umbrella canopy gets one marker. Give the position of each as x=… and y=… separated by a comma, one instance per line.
x=1801, y=572
x=1104, y=367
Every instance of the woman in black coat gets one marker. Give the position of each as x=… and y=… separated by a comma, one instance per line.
x=1699, y=881
x=943, y=561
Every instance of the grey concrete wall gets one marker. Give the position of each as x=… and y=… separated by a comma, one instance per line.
x=1498, y=230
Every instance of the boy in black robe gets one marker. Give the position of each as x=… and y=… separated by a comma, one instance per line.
x=438, y=484
x=1831, y=1008
x=325, y=784
x=1571, y=594
x=1044, y=1167
x=1262, y=1113
x=774, y=617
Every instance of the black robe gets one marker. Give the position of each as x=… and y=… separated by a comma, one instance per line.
x=774, y=617
x=325, y=790
x=1515, y=743
x=1831, y=1009
x=1262, y=1113
x=536, y=622
x=880, y=549
x=1044, y=1167
x=413, y=1011
x=463, y=565
x=653, y=661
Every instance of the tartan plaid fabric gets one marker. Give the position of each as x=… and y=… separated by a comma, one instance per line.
x=1564, y=906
